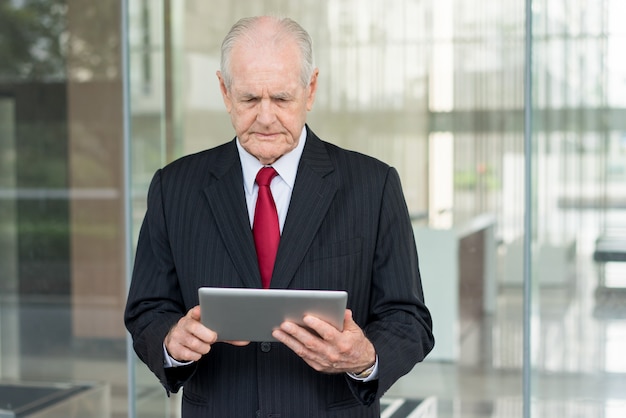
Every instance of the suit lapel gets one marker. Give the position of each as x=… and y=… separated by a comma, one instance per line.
x=312, y=195
x=227, y=202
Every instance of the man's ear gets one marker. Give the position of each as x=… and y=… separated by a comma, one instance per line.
x=225, y=95
x=312, y=89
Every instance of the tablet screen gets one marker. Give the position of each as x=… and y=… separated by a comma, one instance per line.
x=245, y=314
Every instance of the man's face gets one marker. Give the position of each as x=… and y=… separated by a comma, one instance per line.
x=266, y=101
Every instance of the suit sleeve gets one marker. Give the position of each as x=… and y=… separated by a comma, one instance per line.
x=154, y=302
x=399, y=325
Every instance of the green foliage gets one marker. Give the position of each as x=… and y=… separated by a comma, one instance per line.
x=31, y=39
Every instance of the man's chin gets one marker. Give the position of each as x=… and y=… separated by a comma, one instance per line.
x=266, y=152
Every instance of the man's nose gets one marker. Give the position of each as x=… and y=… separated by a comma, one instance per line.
x=266, y=113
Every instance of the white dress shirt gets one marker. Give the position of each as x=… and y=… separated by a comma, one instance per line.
x=281, y=186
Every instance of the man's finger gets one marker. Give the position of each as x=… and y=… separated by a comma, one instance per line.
x=195, y=313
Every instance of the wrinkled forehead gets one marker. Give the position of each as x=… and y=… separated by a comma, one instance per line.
x=281, y=58
x=253, y=44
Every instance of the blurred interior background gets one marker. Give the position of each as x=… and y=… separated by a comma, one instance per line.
x=95, y=96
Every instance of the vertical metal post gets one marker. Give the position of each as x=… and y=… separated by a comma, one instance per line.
x=528, y=236
x=130, y=359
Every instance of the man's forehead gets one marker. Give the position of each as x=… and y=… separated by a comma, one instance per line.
x=248, y=48
x=258, y=78
x=252, y=89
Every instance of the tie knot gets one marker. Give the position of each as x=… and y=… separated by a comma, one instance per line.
x=265, y=175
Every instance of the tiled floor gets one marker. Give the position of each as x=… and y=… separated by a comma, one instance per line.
x=579, y=357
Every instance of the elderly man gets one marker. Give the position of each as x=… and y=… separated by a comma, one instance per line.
x=342, y=224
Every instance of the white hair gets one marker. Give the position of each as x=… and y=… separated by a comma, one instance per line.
x=245, y=28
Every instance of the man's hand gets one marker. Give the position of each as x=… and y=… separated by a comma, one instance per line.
x=189, y=340
x=331, y=351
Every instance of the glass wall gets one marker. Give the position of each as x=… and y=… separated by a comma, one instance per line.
x=434, y=88
x=62, y=252
x=579, y=215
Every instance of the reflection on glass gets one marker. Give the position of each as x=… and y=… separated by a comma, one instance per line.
x=615, y=347
x=61, y=289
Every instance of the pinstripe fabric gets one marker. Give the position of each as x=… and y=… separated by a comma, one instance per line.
x=347, y=228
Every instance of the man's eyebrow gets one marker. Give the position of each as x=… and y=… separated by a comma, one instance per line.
x=247, y=96
x=281, y=96
x=276, y=96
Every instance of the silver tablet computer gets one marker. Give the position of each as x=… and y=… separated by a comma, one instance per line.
x=245, y=314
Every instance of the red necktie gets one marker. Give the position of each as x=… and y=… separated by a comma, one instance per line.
x=265, y=228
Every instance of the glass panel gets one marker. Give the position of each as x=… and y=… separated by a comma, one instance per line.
x=61, y=247
x=579, y=216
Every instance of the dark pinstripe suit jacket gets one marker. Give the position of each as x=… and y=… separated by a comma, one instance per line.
x=347, y=228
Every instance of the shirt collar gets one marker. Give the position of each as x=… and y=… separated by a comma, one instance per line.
x=286, y=166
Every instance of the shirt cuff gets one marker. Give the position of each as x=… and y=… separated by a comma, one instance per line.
x=371, y=376
x=169, y=361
